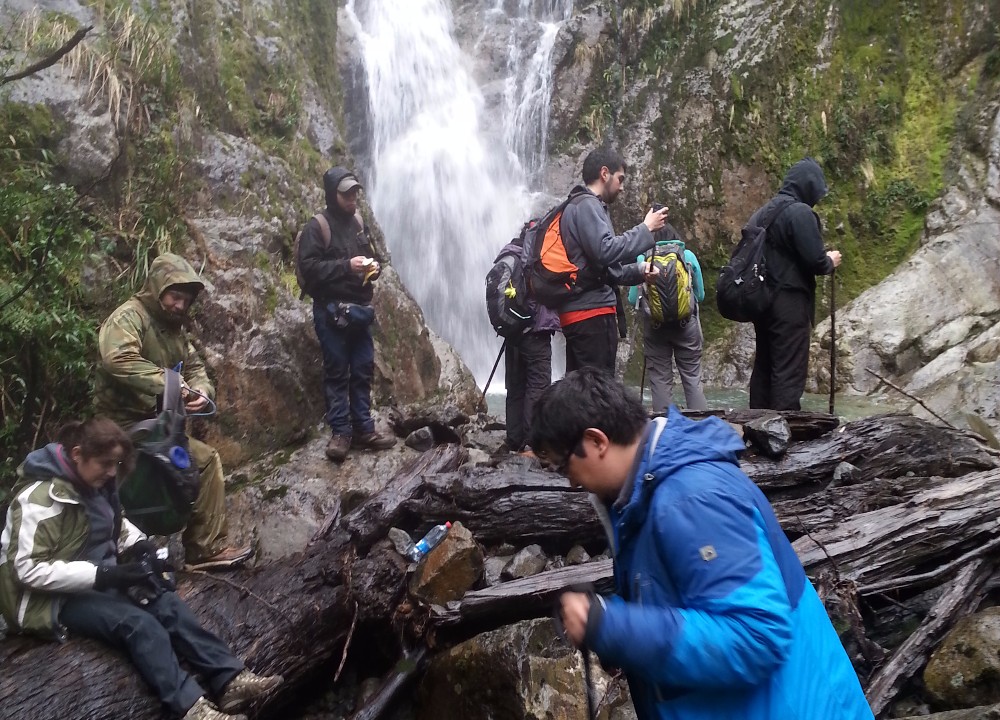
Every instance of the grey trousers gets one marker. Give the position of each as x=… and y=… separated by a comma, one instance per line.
x=665, y=345
x=155, y=637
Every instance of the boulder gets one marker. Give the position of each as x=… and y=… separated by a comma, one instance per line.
x=529, y=561
x=768, y=435
x=421, y=439
x=450, y=569
x=964, y=670
x=520, y=671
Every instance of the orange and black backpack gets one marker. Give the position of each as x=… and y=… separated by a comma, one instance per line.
x=551, y=276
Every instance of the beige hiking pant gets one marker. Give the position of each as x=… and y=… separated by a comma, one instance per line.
x=205, y=534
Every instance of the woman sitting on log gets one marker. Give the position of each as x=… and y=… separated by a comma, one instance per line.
x=70, y=562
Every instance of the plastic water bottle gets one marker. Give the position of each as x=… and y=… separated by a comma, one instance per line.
x=429, y=541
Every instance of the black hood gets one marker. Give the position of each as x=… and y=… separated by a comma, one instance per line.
x=805, y=182
x=331, y=179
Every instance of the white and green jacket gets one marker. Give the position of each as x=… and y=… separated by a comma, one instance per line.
x=46, y=530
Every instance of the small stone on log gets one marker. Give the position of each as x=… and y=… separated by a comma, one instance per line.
x=530, y=561
x=769, y=435
x=421, y=439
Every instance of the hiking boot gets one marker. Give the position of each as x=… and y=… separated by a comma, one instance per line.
x=226, y=558
x=373, y=441
x=246, y=687
x=337, y=448
x=204, y=710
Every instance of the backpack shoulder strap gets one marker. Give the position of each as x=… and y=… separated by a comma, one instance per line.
x=324, y=228
x=171, y=390
x=782, y=204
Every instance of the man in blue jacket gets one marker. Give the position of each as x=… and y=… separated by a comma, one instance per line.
x=714, y=616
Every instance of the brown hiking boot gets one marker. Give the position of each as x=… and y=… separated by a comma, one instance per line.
x=373, y=441
x=204, y=710
x=337, y=448
x=226, y=558
x=245, y=688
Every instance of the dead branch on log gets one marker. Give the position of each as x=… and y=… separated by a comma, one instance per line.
x=962, y=598
x=347, y=644
x=915, y=399
x=51, y=60
x=241, y=588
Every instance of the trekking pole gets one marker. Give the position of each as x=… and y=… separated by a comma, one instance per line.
x=493, y=372
x=642, y=381
x=833, y=337
x=588, y=682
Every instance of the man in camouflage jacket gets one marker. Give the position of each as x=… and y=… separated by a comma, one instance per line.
x=139, y=339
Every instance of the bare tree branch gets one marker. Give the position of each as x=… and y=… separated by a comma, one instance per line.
x=51, y=59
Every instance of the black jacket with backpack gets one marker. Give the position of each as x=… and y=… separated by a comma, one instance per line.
x=326, y=270
x=591, y=244
x=794, y=252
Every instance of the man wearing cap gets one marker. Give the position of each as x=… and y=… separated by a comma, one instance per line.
x=338, y=268
x=139, y=339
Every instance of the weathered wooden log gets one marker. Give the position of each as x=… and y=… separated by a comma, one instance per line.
x=516, y=503
x=804, y=425
x=886, y=446
x=294, y=616
x=295, y=620
x=933, y=528
x=825, y=508
x=509, y=602
x=962, y=598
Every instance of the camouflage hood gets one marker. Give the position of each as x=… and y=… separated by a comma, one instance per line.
x=166, y=270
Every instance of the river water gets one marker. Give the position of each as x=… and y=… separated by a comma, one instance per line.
x=847, y=407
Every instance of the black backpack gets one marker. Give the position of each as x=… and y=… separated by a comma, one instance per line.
x=159, y=494
x=742, y=293
x=507, y=300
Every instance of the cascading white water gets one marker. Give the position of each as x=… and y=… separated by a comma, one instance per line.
x=448, y=188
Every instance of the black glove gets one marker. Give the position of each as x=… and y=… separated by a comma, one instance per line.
x=121, y=576
x=141, y=550
x=146, y=550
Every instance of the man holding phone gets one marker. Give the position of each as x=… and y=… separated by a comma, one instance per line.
x=589, y=317
x=338, y=268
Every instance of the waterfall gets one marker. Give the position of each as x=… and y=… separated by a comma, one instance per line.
x=451, y=179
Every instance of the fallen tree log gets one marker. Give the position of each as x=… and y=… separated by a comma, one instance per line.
x=832, y=505
x=295, y=620
x=885, y=446
x=962, y=598
x=522, y=599
x=294, y=616
x=804, y=425
x=933, y=528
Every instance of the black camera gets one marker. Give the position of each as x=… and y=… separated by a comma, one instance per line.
x=145, y=592
x=658, y=206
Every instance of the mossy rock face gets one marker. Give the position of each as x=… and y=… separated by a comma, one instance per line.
x=965, y=669
x=520, y=671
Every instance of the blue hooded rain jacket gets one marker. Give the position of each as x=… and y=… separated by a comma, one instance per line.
x=715, y=617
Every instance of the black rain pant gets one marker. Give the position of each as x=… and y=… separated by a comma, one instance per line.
x=528, y=366
x=782, y=359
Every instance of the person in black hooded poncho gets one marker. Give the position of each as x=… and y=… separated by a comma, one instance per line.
x=794, y=256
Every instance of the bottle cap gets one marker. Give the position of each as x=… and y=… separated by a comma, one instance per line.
x=179, y=457
x=448, y=525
